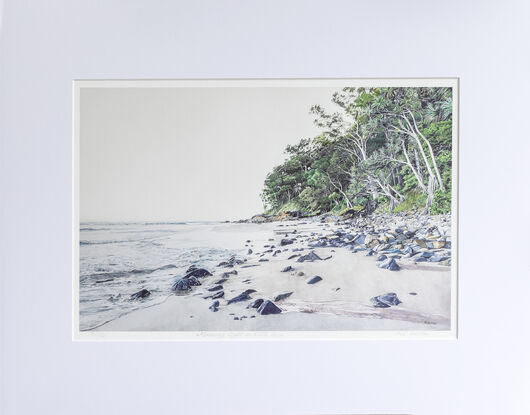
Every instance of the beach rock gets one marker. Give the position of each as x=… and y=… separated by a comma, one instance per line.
x=287, y=269
x=381, y=257
x=420, y=259
x=197, y=272
x=263, y=260
x=371, y=241
x=185, y=284
x=281, y=297
x=256, y=303
x=437, y=258
x=249, y=252
x=141, y=294
x=309, y=257
x=215, y=288
x=293, y=256
x=230, y=263
x=215, y=306
x=284, y=242
x=241, y=297
x=370, y=252
x=314, y=280
x=218, y=294
x=301, y=274
x=268, y=307
x=385, y=300
x=390, y=264
x=221, y=281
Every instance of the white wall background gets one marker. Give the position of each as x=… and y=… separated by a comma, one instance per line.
x=46, y=44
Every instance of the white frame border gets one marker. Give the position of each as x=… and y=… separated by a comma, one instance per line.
x=157, y=336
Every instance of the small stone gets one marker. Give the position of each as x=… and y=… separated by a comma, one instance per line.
x=287, y=269
x=218, y=294
x=381, y=257
x=314, y=280
x=281, y=297
x=141, y=294
x=385, y=300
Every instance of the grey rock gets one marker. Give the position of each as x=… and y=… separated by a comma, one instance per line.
x=141, y=294
x=268, y=307
x=287, y=269
x=310, y=257
x=314, y=280
x=385, y=300
x=390, y=264
x=281, y=297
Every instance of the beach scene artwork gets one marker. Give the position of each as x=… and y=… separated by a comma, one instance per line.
x=277, y=208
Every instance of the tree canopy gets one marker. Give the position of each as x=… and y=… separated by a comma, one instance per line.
x=386, y=147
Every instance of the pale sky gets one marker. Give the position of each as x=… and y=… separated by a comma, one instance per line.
x=186, y=154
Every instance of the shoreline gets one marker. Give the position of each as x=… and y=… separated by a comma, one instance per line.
x=347, y=252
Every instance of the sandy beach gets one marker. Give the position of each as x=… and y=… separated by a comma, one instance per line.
x=341, y=300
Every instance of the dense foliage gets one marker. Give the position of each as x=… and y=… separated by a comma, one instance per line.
x=386, y=147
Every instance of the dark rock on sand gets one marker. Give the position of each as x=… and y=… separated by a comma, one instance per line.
x=284, y=242
x=249, y=251
x=293, y=256
x=256, y=303
x=218, y=294
x=141, y=294
x=221, y=281
x=215, y=306
x=390, y=264
x=287, y=269
x=309, y=257
x=385, y=300
x=437, y=258
x=381, y=257
x=185, y=284
x=241, y=297
x=263, y=260
x=268, y=307
x=314, y=280
x=215, y=288
x=197, y=272
x=370, y=252
x=281, y=297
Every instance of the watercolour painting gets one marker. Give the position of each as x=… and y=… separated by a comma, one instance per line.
x=265, y=209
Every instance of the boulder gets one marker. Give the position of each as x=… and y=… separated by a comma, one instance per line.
x=185, y=284
x=281, y=297
x=256, y=303
x=314, y=280
x=268, y=307
x=381, y=257
x=385, y=300
x=309, y=257
x=390, y=264
x=218, y=294
x=241, y=297
x=197, y=272
x=284, y=242
x=215, y=306
x=141, y=294
x=217, y=287
x=287, y=269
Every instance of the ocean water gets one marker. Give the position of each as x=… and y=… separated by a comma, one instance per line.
x=120, y=259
